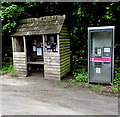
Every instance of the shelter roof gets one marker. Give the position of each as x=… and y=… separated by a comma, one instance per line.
x=39, y=26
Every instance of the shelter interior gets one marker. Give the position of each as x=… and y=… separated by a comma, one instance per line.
x=35, y=48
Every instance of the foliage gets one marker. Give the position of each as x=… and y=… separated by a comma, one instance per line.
x=14, y=74
x=109, y=90
x=79, y=16
x=63, y=84
x=117, y=77
x=81, y=75
x=8, y=67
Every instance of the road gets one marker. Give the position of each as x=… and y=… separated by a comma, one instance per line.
x=36, y=96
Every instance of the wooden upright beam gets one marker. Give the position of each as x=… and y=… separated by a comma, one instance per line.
x=58, y=44
x=43, y=44
x=24, y=40
x=13, y=47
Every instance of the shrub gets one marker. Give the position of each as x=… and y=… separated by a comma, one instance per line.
x=7, y=67
x=117, y=77
x=81, y=75
x=82, y=78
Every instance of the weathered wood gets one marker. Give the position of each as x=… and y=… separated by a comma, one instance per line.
x=43, y=44
x=50, y=54
x=52, y=57
x=24, y=40
x=64, y=64
x=13, y=46
x=37, y=63
x=68, y=61
x=19, y=54
x=20, y=63
x=64, y=73
x=64, y=40
x=64, y=50
x=52, y=63
x=63, y=31
x=65, y=56
x=64, y=34
x=63, y=67
x=52, y=67
x=58, y=43
x=21, y=73
x=23, y=69
x=65, y=59
x=64, y=27
x=65, y=45
x=23, y=64
x=52, y=77
x=64, y=53
x=52, y=72
x=19, y=59
x=19, y=67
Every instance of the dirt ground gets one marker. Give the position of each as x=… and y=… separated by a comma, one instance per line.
x=34, y=95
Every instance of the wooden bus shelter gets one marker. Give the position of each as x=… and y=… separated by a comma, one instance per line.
x=42, y=42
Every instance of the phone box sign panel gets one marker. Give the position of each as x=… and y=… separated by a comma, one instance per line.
x=101, y=54
x=100, y=60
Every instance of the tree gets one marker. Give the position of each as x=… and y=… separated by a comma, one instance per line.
x=79, y=16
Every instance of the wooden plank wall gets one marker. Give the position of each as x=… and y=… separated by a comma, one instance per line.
x=64, y=44
x=20, y=63
x=52, y=65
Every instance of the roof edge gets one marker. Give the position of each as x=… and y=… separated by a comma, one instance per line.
x=44, y=18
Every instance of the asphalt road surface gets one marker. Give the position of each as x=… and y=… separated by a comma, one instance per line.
x=36, y=96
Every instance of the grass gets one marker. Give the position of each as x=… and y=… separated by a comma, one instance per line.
x=107, y=90
x=7, y=67
x=14, y=74
x=63, y=84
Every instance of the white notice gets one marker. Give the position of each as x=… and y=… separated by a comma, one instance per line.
x=34, y=48
x=39, y=51
x=98, y=70
x=106, y=49
x=99, y=51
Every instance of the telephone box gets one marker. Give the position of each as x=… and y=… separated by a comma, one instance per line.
x=101, y=54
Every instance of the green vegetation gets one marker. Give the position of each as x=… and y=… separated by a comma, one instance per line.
x=14, y=74
x=63, y=84
x=117, y=77
x=8, y=67
x=80, y=75
x=101, y=89
x=79, y=16
x=81, y=81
